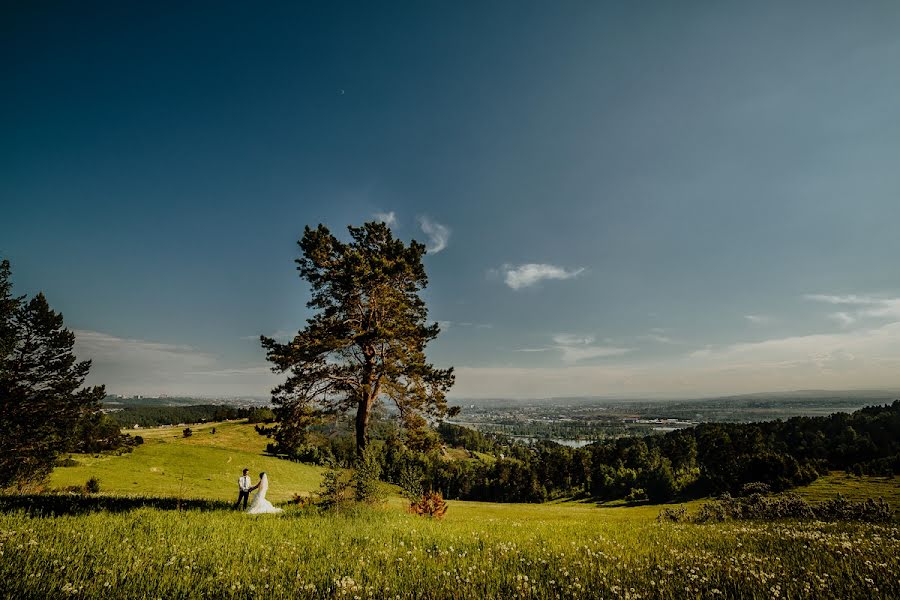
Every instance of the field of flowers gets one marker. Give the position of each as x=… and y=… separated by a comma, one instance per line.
x=478, y=551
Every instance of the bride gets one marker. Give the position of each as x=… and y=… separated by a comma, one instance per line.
x=260, y=505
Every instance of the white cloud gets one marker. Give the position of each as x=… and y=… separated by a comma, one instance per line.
x=528, y=274
x=759, y=319
x=845, y=299
x=658, y=338
x=575, y=348
x=388, y=218
x=438, y=235
x=844, y=319
x=862, y=307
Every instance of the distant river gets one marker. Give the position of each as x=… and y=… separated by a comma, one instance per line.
x=561, y=442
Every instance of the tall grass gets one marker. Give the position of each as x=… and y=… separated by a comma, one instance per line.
x=570, y=552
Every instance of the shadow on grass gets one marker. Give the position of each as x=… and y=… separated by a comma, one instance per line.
x=76, y=504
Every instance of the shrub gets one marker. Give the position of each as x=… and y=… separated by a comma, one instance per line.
x=410, y=482
x=67, y=462
x=92, y=486
x=756, y=487
x=431, y=504
x=793, y=506
x=675, y=515
x=187, y=432
x=365, y=479
x=335, y=486
x=636, y=495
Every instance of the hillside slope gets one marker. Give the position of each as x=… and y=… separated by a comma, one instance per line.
x=205, y=465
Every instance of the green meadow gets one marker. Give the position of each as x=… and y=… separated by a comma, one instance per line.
x=479, y=550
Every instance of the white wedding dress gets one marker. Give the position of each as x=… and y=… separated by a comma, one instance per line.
x=259, y=505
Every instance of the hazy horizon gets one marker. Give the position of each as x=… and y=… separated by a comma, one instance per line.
x=618, y=200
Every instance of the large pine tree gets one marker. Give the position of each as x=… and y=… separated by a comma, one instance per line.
x=366, y=341
x=42, y=397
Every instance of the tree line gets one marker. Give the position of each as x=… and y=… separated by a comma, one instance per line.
x=156, y=416
x=709, y=459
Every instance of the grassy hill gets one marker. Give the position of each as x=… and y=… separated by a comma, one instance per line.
x=480, y=550
x=205, y=465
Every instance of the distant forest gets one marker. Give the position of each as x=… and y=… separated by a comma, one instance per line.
x=709, y=459
x=156, y=415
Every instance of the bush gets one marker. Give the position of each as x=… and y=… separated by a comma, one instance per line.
x=675, y=515
x=793, y=506
x=756, y=487
x=92, y=486
x=410, y=482
x=636, y=495
x=335, y=486
x=431, y=504
x=365, y=479
x=187, y=432
x=261, y=415
x=66, y=462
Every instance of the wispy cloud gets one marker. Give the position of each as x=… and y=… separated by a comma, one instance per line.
x=658, y=338
x=448, y=324
x=529, y=274
x=388, y=218
x=863, y=359
x=844, y=319
x=859, y=307
x=281, y=335
x=574, y=348
x=760, y=319
x=845, y=299
x=134, y=366
x=102, y=347
x=438, y=235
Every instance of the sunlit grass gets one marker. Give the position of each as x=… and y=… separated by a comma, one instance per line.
x=201, y=466
x=476, y=552
x=565, y=549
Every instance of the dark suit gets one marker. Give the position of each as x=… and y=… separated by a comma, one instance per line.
x=242, y=493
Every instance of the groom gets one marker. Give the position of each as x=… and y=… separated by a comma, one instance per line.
x=244, y=489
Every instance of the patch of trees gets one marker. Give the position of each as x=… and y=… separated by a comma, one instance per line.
x=156, y=416
x=709, y=459
x=45, y=409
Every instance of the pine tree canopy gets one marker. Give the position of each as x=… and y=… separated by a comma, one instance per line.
x=41, y=394
x=365, y=343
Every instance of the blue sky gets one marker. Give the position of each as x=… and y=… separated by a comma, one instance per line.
x=623, y=199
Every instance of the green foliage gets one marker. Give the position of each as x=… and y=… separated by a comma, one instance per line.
x=636, y=495
x=365, y=479
x=336, y=489
x=42, y=399
x=261, y=415
x=365, y=342
x=92, y=486
x=154, y=415
x=410, y=482
x=792, y=506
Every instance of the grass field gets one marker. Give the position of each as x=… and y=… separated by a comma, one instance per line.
x=204, y=465
x=480, y=550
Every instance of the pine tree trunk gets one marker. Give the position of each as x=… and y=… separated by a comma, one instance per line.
x=362, y=424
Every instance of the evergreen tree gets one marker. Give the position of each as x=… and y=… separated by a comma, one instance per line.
x=41, y=395
x=366, y=341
